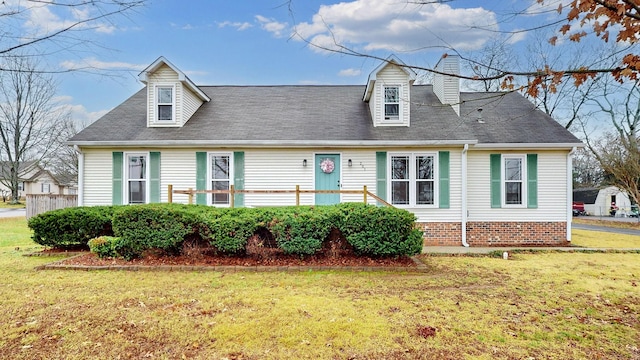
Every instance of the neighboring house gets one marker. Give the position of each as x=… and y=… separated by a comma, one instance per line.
x=34, y=179
x=475, y=168
x=598, y=202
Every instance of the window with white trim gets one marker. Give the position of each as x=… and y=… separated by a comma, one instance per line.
x=413, y=179
x=137, y=174
x=392, y=103
x=45, y=188
x=165, y=104
x=220, y=177
x=513, y=175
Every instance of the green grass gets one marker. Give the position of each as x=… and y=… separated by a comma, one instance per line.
x=6, y=205
x=542, y=305
x=601, y=239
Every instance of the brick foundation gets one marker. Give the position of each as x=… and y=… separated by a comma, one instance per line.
x=441, y=233
x=496, y=233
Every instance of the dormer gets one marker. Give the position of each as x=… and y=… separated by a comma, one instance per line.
x=388, y=93
x=172, y=98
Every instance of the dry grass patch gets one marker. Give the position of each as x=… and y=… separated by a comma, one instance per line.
x=545, y=305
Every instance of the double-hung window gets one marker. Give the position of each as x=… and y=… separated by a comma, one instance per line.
x=165, y=106
x=136, y=178
x=220, y=177
x=413, y=179
x=513, y=180
x=392, y=103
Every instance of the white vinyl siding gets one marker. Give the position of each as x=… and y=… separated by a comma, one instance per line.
x=97, y=177
x=390, y=76
x=278, y=170
x=362, y=172
x=190, y=104
x=552, y=189
x=178, y=169
x=164, y=77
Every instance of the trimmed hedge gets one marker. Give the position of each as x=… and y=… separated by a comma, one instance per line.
x=229, y=230
x=71, y=227
x=380, y=231
x=154, y=226
x=370, y=230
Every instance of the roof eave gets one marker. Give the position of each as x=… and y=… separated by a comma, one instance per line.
x=522, y=146
x=273, y=143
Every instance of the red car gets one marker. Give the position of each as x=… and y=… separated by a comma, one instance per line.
x=578, y=208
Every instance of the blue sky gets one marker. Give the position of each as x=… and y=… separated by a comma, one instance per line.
x=249, y=42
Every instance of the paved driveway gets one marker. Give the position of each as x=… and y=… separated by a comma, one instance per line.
x=5, y=213
x=605, y=229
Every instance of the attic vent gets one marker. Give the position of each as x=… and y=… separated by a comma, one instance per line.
x=479, y=118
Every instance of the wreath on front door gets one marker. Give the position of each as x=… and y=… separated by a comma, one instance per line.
x=327, y=165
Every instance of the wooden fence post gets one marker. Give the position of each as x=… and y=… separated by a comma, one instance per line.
x=170, y=193
x=297, y=195
x=232, y=192
x=190, y=196
x=364, y=191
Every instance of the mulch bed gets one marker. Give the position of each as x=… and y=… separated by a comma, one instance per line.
x=90, y=259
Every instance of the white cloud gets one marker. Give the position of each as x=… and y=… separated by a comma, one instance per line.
x=271, y=25
x=238, y=25
x=78, y=113
x=350, y=72
x=42, y=20
x=93, y=63
x=397, y=26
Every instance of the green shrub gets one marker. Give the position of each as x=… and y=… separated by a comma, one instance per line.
x=302, y=230
x=380, y=231
x=154, y=226
x=104, y=246
x=71, y=227
x=228, y=231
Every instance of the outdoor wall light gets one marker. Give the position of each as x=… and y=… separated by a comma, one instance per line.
x=304, y=162
x=350, y=163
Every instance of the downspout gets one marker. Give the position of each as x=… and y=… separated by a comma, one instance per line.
x=464, y=196
x=80, y=175
x=570, y=192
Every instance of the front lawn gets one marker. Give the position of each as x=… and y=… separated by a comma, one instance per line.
x=541, y=305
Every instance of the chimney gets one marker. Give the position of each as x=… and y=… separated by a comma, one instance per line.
x=446, y=87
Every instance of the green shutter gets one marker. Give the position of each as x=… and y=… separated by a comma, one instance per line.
x=238, y=175
x=496, y=181
x=117, y=170
x=532, y=181
x=443, y=165
x=381, y=174
x=201, y=176
x=154, y=177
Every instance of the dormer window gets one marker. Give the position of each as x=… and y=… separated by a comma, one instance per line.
x=392, y=103
x=165, y=103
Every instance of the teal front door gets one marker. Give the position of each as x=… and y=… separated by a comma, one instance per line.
x=327, y=178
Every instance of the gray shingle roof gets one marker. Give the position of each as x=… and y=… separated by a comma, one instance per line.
x=245, y=114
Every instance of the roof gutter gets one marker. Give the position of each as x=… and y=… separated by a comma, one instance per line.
x=464, y=195
x=512, y=146
x=570, y=192
x=271, y=143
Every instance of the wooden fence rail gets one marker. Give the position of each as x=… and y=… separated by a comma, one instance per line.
x=232, y=191
x=39, y=203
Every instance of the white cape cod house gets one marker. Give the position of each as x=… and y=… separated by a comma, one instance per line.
x=476, y=168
